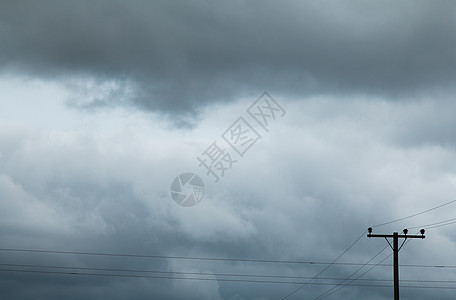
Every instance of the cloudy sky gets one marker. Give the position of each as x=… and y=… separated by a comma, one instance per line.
x=103, y=104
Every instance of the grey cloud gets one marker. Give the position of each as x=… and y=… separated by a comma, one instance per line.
x=182, y=55
x=334, y=165
x=425, y=123
x=304, y=198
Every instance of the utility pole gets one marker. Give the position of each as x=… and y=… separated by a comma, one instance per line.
x=396, y=249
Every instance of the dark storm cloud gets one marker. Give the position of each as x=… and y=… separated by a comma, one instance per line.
x=334, y=165
x=182, y=55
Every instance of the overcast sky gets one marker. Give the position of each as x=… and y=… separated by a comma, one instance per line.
x=104, y=103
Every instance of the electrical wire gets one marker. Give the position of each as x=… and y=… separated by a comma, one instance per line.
x=209, y=274
x=432, y=227
x=329, y=292
x=416, y=214
x=226, y=259
x=328, y=266
x=382, y=224
x=167, y=256
x=357, y=278
x=208, y=279
x=435, y=225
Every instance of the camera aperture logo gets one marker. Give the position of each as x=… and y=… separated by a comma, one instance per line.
x=188, y=189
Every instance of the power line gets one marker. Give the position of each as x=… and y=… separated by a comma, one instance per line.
x=328, y=292
x=370, y=269
x=214, y=274
x=437, y=224
x=432, y=227
x=154, y=277
x=332, y=263
x=166, y=256
x=206, y=279
x=414, y=215
x=357, y=278
x=382, y=224
x=215, y=258
x=222, y=259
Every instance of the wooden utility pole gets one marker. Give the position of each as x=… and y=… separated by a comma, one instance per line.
x=396, y=249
